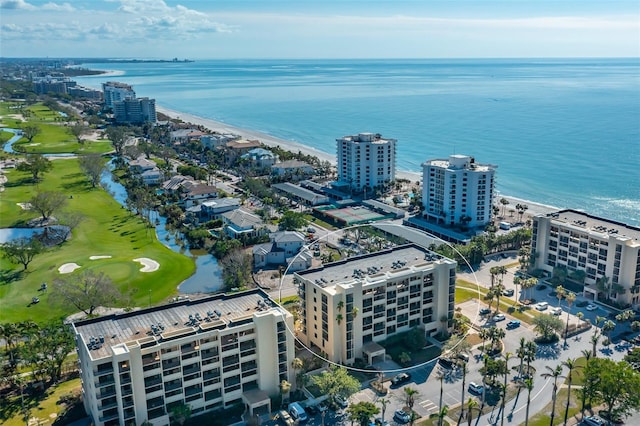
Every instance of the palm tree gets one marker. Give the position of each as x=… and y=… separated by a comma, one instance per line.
x=528, y=383
x=504, y=203
x=383, y=404
x=296, y=364
x=532, y=349
x=484, y=335
x=521, y=353
x=441, y=414
x=587, y=355
x=595, y=337
x=507, y=357
x=560, y=292
x=285, y=387
x=570, y=297
x=410, y=395
x=571, y=365
x=471, y=404
x=497, y=290
x=465, y=370
x=516, y=282
x=607, y=328
x=555, y=373
x=440, y=376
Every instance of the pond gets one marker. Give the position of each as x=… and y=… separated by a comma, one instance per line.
x=10, y=234
x=208, y=275
x=17, y=135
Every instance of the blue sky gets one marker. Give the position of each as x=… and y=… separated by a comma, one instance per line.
x=220, y=29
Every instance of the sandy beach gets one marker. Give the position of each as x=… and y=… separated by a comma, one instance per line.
x=269, y=140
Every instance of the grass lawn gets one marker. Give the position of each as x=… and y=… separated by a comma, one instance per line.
x=56, y=139
x=108, y=229
x=5, y=136
x=42, y=406
x=543, y=417
x=42, y=113
x=466, y=290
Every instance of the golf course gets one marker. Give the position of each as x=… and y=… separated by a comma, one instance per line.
x=108, y=239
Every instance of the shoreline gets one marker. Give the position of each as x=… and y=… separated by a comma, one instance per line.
x=534, y=209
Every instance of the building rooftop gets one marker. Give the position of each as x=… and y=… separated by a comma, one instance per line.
x=166, y=322
x=371, y=265
x=290, y=164
x=595, y=224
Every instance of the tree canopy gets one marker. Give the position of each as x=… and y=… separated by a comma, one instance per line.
x=35, y=164
x=86, y=291
x=362, y=412
x=291, y=221
x=22, y=250
x=48, y=202
x=92, y=165
x=547, y=326
x=336, y=381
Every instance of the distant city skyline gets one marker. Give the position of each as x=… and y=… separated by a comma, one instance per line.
x=229, y=29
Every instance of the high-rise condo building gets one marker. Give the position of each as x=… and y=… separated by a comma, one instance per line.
x=211, y=353
x=116, y=92
x=601, y=255
x=458, y=190
x=366, y=160
x=135, y=111
x=349, y=305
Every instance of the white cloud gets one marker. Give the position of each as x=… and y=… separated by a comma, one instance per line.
x=16, y=4
x=64, y=7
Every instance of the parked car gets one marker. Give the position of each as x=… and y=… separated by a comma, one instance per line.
x=476, y=388
x=380, y=422
x=284, y=418
x=400, y=378
x=591, y=307
x=542, y=306
x=463, y=357
x=509, y=292
x=445, y=362
x=499, y=317
x=297, y=412
x=556, y=311
x=341, y=401
x=594, y=421
x=513, y=324
x=485, y=311
x=401, y=416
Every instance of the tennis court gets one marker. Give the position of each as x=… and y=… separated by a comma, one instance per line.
x=351, y=215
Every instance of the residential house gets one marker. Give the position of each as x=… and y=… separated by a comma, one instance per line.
x=239, y=222
x=285, y=248
x=295, y=169
x=260, y=157
x=212, y=209
x=195, y=194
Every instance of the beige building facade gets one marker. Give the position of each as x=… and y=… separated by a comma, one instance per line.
x=211, y=353
x=350, y=305
x=605, y=250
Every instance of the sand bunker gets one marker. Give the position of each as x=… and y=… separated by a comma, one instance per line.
x=99, y=257
x=24, y=206
x=148, y=265
x=68, y=268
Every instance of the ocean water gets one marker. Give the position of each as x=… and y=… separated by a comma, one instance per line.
x=563, y=132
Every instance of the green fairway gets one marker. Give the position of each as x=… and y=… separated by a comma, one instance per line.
x=107, y=230
x=56, y=139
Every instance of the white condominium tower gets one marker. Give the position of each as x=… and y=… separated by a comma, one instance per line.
x=600, y=255
x=349, y=305
x=458, y=190
x=366, y=160
x=116, y=92
x=211, y=353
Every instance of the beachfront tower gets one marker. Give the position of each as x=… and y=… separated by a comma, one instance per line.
x=458, y=190
x=350, y=305
x=366, y=160
x=600, y=256
x=116, y=92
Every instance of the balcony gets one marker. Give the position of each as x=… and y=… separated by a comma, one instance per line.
x=107, y=393
x=111, y=415
x=102, y=371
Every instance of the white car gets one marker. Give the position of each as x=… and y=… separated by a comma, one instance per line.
x=542, y=306
x=476, y=388
x=556, y=311
x=499, y=317
x=591, y=307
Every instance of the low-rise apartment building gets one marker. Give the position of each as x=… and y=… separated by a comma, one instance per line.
x=605, y=250
x=349, y=305
x=209, y=353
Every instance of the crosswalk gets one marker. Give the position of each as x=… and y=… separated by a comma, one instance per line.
x=428, y=405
